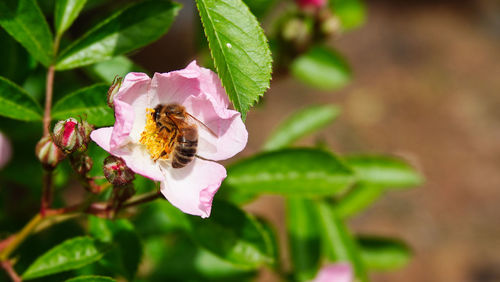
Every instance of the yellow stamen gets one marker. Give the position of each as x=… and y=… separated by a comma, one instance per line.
x=156, y=143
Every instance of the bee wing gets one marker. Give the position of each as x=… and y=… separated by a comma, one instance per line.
x=202, y=124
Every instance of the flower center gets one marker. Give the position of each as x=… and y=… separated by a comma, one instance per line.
x=156, y=142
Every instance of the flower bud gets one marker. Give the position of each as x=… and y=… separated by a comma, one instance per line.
x=5, y=150
x=67, y=135
x=308, y=4
x=48, y=153
x=115, y=86
x=81, y=163
x=297, y=31
x=117, y=172
x=329, y=23
x=85, y=130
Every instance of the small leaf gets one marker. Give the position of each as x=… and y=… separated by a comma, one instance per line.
x=234, y=236
x=351, y=13
x=384, y=172
x=300, y=124
x=66, y=12
x=126, y=30
x=383, y=253
x=239, y=49
x=338, y=244
x=89, y=102
x=118, y=66
x=24, y=21
x=322, y=68
x=71, y=254
x=303, y=237
x=91, y=278
x=292, y=172
x=357, y=199
x=17, y=104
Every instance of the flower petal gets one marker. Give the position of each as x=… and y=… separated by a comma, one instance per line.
x=192, y=188
x=135, y=156
x=340, y=272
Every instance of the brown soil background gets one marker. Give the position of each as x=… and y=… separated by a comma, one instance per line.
x=426, y=87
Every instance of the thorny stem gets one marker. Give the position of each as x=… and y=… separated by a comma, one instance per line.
x=10, y=270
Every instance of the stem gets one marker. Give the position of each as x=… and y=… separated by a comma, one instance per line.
x=46, y=192
x=48, y=99
x=20, y=237
x=10, y=270
x=142, y=199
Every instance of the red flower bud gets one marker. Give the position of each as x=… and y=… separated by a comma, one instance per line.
x=67, y=135
x=48, y=153
x=117, y=172
x=85, y=130
x=304, y=4
x=81, y=163
x=115, y=86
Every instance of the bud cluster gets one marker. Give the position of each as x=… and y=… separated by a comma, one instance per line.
x=117, y=172
x=71, y=135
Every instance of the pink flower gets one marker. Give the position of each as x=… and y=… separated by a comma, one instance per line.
x=340, y=272
x=5, y=150
x=132, y=138
x=311, y=3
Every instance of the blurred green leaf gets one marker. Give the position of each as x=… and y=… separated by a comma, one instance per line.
x=128, y=29
x=383, y=253
x=126, y=253
x=91, y=278
x=89, y=102
x=233, y=235
x=16, y=62
x=337, y=242
x=384, y=171
x=239, y=49
x=118, y=66
x=24, y=21
x=357, y=199
x=160, y=217
x=15, y=103
x=291, y=172
x=321, y=68
x=300, y=124
x=260, y=7
x=351, y=13
x=71, y=254
x=303, y=237
x=66, y=12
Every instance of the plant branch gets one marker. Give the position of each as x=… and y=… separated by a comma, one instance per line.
x=142, y=199
x=10, y=270
x=20, y=237
x=49, y=87
x=46, y=192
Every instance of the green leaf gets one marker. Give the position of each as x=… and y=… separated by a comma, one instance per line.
x=66, y=12
x=384, y=172
x=118, y=66
x=384, y=253
x=300, y=124
x=91, y=278
x=303, y=237
x=90, y=102
x=357, y=199
x=239, y=49
x=15, y=103
x=126, y=253
x=16, y=62
x=24, y=21
x=338, y=244
x=71, y=254
x=128, y=29
x=260, y=7
x=160, y=217
x=322, y=68
x=233, y=235
x=291, y=172
x=351, y=13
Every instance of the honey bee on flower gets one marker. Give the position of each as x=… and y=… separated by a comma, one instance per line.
x=172, y=128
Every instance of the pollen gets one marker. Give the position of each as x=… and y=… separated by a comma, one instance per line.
x=156, y=142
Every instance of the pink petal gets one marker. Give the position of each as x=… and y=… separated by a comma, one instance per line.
x=192, y=188
x=340, y=272
x=136, y=157
x=130, y=98
x=5, y=150
x=200, y=91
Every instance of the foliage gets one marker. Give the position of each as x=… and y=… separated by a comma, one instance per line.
x=155, y=241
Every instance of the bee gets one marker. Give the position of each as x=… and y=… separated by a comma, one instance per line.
x=176, y=125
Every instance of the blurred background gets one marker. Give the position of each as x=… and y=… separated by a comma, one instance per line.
x=426, y=86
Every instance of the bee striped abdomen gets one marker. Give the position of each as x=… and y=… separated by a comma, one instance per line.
x=185, y=150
